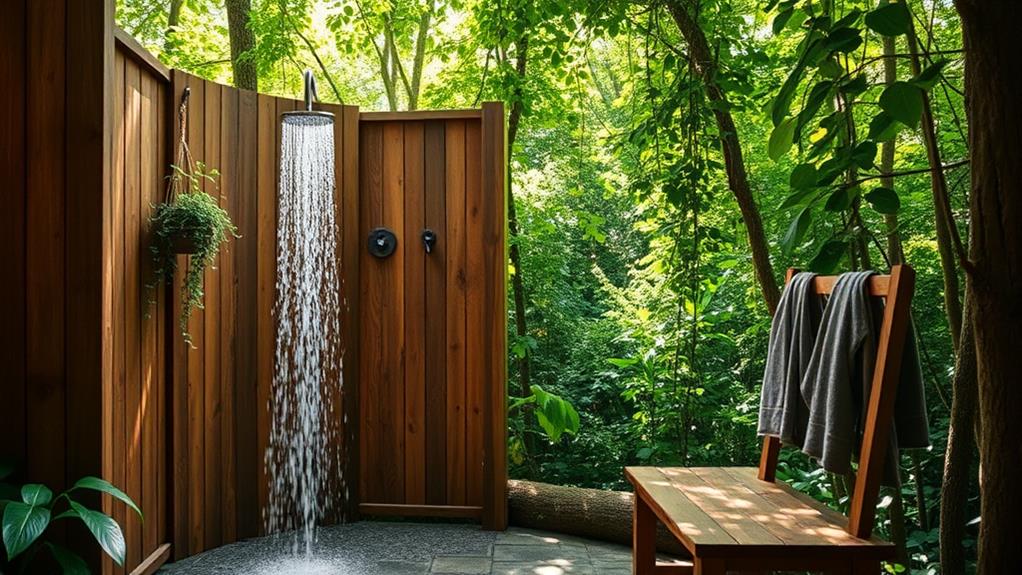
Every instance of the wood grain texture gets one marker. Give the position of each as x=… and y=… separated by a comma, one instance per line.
x=228, y=287
x=350, y=281
x=119, y=376
x=415, y=316
x=370, y=316
x=476, y=348
x=392, y=337
x=455, y=305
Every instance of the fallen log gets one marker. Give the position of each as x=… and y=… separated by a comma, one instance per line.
x=592, y=513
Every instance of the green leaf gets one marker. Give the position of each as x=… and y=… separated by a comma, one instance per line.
x=106, y=531
x=781, y=139
x=69, y=561
x=803, y=176
x=36, y=494
x=798, y=198
x=831, y=69
x=883, y=200
x=865, y=153
x=841, y=199
x=843, y=40
x=828, y=257
x=797, y=230
x=883, y=128
x=904, y=102
x=782, y=19
x=22, y=525
x=929, y=77
x=104, y=486
x=889, y=19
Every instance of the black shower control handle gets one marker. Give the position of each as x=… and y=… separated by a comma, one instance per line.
x=428, y=240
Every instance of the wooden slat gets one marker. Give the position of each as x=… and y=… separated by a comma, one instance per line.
x=229, y=179
x=44, y=245
x=128, y=45
x=13, y=64
x=391, y=270
x=118, y=415
x=211, y=333
x=435, y=280
x=150, y=177
x=370, y=312
x=456, y=288
x=154, y=561
x=178, y=378
x=352, y=248
x=415, y=315
x=714, y=501
x=879, y=286
x=266, y=234
x=247, y=406
x=132, y=309
x=682, y=517
x=163, y=396
x=494, y=223
x=476, y=376
x=197, y=356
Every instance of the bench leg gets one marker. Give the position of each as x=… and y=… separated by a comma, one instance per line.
x=643, y=538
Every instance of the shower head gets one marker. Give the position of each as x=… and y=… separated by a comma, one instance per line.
x=308, y=116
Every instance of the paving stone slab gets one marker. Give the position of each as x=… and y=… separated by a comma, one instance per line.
x=461, y=564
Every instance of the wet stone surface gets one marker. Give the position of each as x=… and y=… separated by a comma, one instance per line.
x=376, y=548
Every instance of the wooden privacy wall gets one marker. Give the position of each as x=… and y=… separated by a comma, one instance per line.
x=135, y=438
x=56, y=67
x=432, y=396
x=222, y=384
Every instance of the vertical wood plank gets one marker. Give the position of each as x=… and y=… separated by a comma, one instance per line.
x=415, y=316
x=211, y=335
x=266, y=270
x=197, y=355
x=181, y=444
x=248, y=458
x=163, y=409
x=44, y=244
x=118, y=413
x=351, y=251
x=149, y=317
x=13, y=61
x=370, y=322
x=132, y=309
x=229, y=179
x=456, y=291
x=494, y=223
x=392, y=292
x=477, y=349
x=435, y=283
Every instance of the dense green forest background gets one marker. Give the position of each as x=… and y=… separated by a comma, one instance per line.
x=658, y=148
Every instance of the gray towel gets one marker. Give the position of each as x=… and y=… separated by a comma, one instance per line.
x=834, y=386
x=783, y=412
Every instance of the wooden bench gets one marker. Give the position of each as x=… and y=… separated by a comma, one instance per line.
x=742, y=519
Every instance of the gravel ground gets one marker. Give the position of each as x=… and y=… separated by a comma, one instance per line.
x=376, y=548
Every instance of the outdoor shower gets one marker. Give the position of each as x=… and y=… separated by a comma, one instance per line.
x=307, y=374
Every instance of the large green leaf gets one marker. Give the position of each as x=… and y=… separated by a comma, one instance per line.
x=106, y=531
x=781, y=139
x=803, y=176
x=883, y=200
x=883, y=128
x=22, y=525
x=36, y=494
x=69, y=561
x=889, y=19
x=797, y=230
x=102, y=485
x=904, y=102
x=828, y=257
x=929, y=77
x=843, y=40
x=554, y=414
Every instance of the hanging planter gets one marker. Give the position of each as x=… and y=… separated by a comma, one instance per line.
x=188, y=222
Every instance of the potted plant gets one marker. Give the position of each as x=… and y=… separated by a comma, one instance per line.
x=188, y=222
x=28, y=511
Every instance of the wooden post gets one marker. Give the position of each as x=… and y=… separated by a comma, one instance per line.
x=643, y=537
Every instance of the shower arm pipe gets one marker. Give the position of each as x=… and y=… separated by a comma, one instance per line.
x=310, y=90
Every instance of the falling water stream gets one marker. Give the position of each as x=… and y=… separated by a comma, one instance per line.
x=300, y=458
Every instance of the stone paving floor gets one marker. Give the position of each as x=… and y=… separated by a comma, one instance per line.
x=389, y=548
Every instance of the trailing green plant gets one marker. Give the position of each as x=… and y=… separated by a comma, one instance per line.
x=193, y=219
x=29, y=511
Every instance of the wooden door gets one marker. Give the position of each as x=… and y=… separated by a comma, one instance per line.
x=426, y=359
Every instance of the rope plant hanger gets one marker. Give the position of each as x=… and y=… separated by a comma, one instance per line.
x=189, y=222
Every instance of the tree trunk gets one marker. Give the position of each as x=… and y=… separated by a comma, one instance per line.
x=242, y=40
x=954, y=492
x=173, y=19
x=592, y=513
x=686, y=17
x=517, y=282
x=993, y=89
